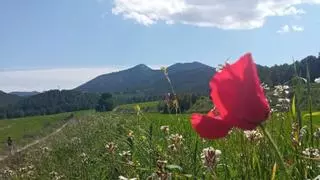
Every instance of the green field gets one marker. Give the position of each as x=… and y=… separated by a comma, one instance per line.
x=81, y=151
x=131, y=108
x=25, y=130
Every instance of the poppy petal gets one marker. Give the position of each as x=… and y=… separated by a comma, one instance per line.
x=209, y=127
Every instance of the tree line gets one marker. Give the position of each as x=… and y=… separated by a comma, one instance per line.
x=50, y=102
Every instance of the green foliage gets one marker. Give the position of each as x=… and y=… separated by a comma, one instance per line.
x=105, y=103
x=202, y=105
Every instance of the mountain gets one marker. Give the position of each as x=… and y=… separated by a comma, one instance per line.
x=7, y=99
x=186, y=76
x=127, y=80
x=24, y=94
x=189, y=77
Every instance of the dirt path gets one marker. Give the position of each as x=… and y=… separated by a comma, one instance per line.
x=39, y=140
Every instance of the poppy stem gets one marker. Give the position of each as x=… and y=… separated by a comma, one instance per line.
x=275, y=147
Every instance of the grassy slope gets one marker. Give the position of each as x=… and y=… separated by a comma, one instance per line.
x=131, y=108
x=24, y=130
x=240, y=159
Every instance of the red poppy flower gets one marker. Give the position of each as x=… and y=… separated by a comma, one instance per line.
x=238, y=97
x=237, y=93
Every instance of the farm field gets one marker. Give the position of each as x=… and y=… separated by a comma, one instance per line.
x=151, y=145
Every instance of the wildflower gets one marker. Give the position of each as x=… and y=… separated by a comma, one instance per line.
x=84, y=157
x=176, y=140
x=126, y=155
x=124, y=178
x=284, y=100
x=253, y=136
x=265, y=86
x=161, y=172
x=30, y=173
x=76, y=140
x=239, y=98
x=303, y=131
x=138, y=110
x=45, y=149
x=172, y=147
x=22, y=170
x=31, y=167
x=295, y=134
x=8, y=172
x=165, y=129
x=111, y=147
x=54, y=175
x=210, y=157
x=316, y=134
x=311, y=152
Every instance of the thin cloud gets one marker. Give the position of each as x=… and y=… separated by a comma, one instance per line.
x=284, y=29
x=224, y=14
x=45, y=79
x=297, y=28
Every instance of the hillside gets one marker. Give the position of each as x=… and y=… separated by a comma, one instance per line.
x=50, y=102
x=7, y=99
x=188, y=77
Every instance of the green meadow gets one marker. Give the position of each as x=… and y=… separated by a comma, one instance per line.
x=152, y=146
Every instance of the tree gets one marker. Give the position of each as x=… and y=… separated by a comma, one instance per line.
x=105, y=103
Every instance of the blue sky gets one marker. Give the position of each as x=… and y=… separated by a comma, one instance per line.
x=70, y=41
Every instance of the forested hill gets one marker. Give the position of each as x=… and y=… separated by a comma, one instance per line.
x=188, y=77
x=50, y=102
x=7, y=99
x=280, y=74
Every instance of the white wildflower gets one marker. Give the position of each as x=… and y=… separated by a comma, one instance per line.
x=176, y=139
x=311, y=152
x=210, y=157
x=172, y=147
x=124, y=178
x=316, y=134
x=164, y=129
x=253, y=136
x=76, y=140
x=84, y=157
x=45, y=149
x=126, y=155
x=111, y=147
x=8, y=172
x=54, y=175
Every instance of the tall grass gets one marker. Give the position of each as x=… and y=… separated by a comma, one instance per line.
x=80, y=151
